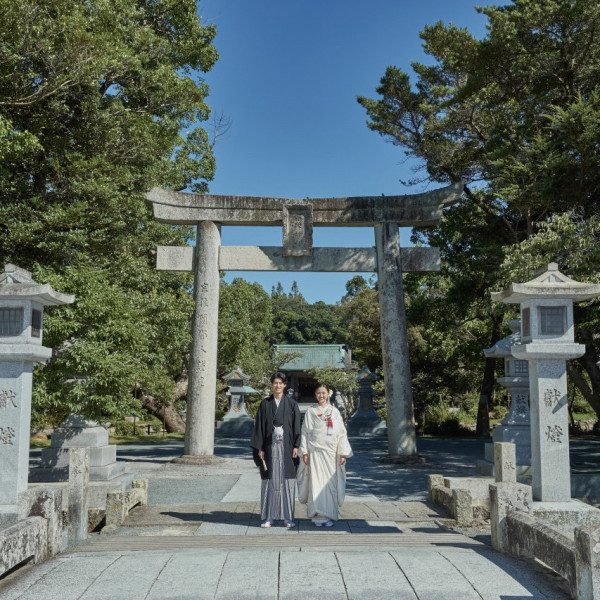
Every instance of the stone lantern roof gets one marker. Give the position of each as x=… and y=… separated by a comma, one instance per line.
x=365, y=374
x=17, y=284
x=236, y=375
x=551, y=283
x=502, y=348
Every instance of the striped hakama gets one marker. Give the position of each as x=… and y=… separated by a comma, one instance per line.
x=278, y=494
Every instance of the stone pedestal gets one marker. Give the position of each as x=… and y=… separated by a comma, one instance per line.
x=551, y=477
x=200, y=415
x=76, y=432
x=365, y=421
x=402, y=437
x=15, y=420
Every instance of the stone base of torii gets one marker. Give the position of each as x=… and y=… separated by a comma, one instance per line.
x=297, y=218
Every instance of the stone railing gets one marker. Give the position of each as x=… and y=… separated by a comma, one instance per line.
x=119, y=503
x=52, y=517
x=517, y=531
x=23, y=542
x=465, y=498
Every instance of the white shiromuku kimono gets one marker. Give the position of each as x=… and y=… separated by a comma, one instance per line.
x=322, y=484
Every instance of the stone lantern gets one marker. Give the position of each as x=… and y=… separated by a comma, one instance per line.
x=547, y=342
x=515, y=427
x=366, y=420
x=22, y=302
x=237, y=420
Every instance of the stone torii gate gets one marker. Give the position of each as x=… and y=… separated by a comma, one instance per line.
x=384, y=213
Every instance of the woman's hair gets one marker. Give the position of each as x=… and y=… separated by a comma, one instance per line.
x=279, y=375
x=322, y=385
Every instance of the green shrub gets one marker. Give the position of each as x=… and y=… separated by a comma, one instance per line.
x=124, y=428
x=440, y=419
x=499, y=412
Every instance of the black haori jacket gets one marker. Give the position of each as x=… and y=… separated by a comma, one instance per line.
x=262, y=437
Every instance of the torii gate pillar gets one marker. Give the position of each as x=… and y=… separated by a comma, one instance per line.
x=402, y=441
x=200, y=417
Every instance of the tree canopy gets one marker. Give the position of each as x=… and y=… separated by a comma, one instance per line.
x=99, y=101
x=515, y=115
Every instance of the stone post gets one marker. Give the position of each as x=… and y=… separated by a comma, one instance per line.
x=587, y=562
x=402, y=441
x=200, y=417
x=22, y=302
x=77, y=493
x=505, y=498
x=505, y=462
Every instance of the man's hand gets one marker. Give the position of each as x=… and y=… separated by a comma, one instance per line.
x=261, y=454
x=295, y=453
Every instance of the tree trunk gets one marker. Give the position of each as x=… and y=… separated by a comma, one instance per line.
x=591, y=394
x=483, y=409
x=589, y=361
x=172, y=420
x=487, y=385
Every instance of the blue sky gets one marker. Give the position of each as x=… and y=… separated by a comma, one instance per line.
x=287, y=80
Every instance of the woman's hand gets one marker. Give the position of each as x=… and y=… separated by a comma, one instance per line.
x=306, y=459
x=342, y=461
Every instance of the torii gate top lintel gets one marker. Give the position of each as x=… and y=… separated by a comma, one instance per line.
x=184, y=208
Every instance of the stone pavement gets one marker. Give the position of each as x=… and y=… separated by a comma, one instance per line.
x=199, y=537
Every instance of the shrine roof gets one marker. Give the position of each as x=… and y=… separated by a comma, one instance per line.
x=311, y=356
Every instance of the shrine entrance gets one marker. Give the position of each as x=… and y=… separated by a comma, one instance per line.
x=297, y=219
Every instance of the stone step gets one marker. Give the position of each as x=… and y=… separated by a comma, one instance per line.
x=293, y=540
x=180, y=514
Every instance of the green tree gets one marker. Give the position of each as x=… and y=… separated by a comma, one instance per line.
x=245, y=319
x=360, y=312
x=572, y=241
x=295, y=321
x=93, y=99
x=516, y=116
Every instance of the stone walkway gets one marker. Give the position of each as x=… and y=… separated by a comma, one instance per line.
x=199, y=537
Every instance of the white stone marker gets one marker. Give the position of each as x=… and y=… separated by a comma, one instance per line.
x=22, y=302
x=505, y=462
x=547, y=342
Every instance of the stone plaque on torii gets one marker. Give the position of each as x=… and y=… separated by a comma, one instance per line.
x=297, y=218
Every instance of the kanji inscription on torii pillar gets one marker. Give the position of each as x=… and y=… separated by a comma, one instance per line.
x=297, y=218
